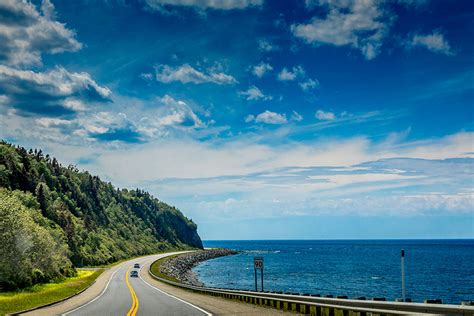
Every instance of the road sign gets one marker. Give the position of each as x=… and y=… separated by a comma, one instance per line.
x=258, y=262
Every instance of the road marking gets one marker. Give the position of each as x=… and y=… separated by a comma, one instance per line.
x=134, y=308
x=181, y=300
x=97, y=297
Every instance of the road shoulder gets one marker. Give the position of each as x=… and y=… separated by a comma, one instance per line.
x=214, y=305
x=89, y=294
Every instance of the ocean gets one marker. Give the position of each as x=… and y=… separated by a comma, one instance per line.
x=434, y=269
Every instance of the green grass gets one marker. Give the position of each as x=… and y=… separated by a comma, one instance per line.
x=42, y=294
x=155, y=268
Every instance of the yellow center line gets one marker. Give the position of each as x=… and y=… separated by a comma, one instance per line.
x=134, y=308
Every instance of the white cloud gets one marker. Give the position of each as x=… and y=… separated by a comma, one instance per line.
x=267, y=117
x=103, y=122
x=328, y=176
x=170, y=115
x=337, y=180
x=160, y=118
x=52, y=122
x=298, y=72
x=146, y=76
x=325, y=116
x=26, y=34
x=206, y=4
x=361, y=24
x=49, y=12
x=187, y=74
x=179, y=114
x=253, y=93
x=290, y=75
x=260, y=69
x=84, y=130
x=309, y=84
x=249, y=118
x=266, y=46
x=434, y=42
x=459, y=202
x=38, y=92
x=244, y=155
x=295, y=116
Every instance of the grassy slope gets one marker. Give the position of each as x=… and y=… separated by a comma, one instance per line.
x=42, y=294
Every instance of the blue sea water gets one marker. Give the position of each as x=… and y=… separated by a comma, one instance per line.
x=371, y=268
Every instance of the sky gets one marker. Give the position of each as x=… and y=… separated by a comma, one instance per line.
x=259, y=119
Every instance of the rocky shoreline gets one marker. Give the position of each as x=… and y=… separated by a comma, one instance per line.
x=181, y=266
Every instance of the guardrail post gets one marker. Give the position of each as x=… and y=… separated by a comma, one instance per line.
x=324, y=311
x=318, y=311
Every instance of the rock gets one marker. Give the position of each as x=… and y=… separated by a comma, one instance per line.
x=181, y=266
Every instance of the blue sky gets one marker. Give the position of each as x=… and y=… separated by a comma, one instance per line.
x=257, y=118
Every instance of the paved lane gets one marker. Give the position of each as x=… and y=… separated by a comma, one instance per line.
x=117, y=297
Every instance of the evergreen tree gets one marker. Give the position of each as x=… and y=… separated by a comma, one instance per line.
x=98, y=223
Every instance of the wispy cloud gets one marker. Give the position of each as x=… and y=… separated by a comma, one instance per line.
x=435, y=42
x=254, y=93
x=292, y=74
x=188, y=74
x=309, y=84
x=360, y=24
x=205, y=4
x=362, y=177
x=159, y=118
x=55, y=92
x=265, y=45
x=267, y=117
x=325, y=116
x=296, y=117
x=261, y=69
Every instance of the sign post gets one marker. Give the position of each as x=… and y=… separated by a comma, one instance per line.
x=403, y=274
x=255, y=269
x=258, y=264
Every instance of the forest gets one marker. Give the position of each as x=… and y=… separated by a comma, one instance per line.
x=54, y=218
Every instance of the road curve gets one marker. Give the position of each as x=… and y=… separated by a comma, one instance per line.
x=110, y=295
x=131, y=296
x=116, y=293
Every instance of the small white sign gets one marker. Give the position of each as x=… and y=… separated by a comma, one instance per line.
x=258, y=262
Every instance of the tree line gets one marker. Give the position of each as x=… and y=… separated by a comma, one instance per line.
x=55, y=218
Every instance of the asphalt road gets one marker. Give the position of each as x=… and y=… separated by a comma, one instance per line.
x=125, y=295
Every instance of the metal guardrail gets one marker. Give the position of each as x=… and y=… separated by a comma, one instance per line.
x=311, y=305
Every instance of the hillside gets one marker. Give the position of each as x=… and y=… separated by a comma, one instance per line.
x=54, y=218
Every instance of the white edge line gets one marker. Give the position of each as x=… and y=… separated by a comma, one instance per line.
x=181, y=300
x=96, y=298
